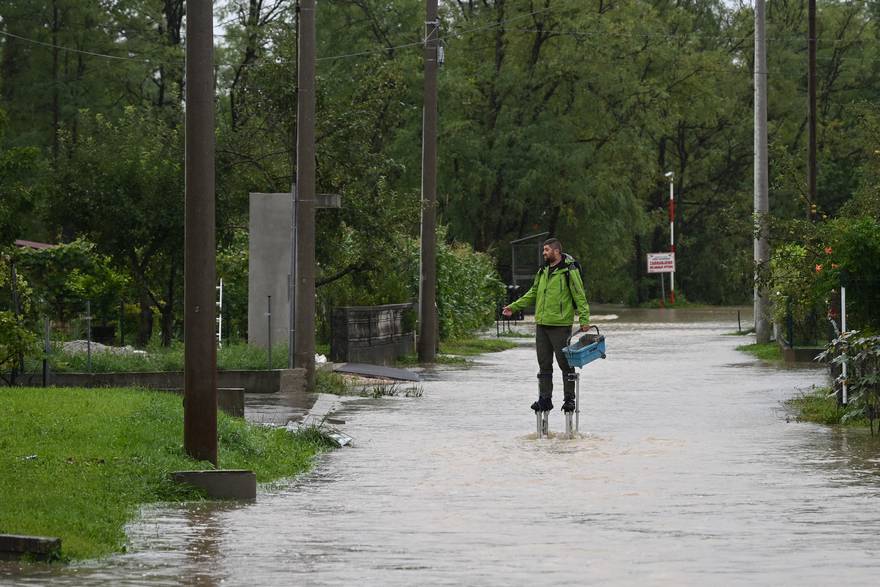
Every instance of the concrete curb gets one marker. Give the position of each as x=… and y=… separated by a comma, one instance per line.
x=18, y=546
x=221, y=484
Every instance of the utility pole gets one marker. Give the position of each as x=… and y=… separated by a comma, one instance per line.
x=811, y=115
x=671, y=177
x=200, y=350
x=304, y=200
x=762, y=207
x=428, y=270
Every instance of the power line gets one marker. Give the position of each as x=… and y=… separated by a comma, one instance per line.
x=72, y=50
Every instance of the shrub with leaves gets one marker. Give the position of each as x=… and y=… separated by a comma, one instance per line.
x=861, y=354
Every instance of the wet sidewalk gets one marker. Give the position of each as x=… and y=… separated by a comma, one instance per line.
x=688, y=474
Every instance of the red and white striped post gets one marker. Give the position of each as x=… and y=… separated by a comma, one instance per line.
x=671, y=176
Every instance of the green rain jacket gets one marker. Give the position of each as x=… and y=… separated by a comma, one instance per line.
x=556, y=296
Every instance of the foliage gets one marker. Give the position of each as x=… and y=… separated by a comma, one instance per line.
x=852, y=259
x=16, y=340
x=475, y=346
x=65, y=276
x=468, y=290
x=122, y=186
x=797, y=293
x=232, y=268
x=821, y=406
x=813, y=260
x=861, y=355
x=327, y=381
x=80, y=462
x=468, y=287
x=231, y=356
x=768, y=351
x=533, y=137
x=20, y=185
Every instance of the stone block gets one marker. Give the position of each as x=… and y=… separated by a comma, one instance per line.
x=17, y=546
x=221, y=484
x=231, y=401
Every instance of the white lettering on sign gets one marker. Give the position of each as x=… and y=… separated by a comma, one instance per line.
x=661, y=262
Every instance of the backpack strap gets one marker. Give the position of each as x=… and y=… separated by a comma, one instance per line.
x=573, y=266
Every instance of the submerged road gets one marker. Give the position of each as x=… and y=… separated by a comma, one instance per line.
x=688, y=473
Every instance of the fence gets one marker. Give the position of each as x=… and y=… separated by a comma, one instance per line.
x=371, y=334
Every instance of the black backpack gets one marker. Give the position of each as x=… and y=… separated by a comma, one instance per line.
x=575, y=266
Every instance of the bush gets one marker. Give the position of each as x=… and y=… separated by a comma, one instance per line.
x=861, y=354
x=468, y=286
x=814, y=262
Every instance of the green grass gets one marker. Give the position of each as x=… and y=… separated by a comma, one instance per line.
x=327, y=381
x=455, y=352
x=821, y=407
x=768, y=351
x=475, y=346
x=77, y=463
x=230, y=357
x=517, y=334
x=740, y=333
x=680, y=302
x=440, y=359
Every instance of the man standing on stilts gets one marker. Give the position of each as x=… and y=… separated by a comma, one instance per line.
x=557, y=291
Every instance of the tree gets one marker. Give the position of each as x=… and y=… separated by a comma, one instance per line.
x=123, y=188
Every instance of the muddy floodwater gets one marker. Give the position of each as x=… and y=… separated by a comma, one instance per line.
x=689, y=472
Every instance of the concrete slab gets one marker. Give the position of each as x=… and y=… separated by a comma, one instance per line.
x=18, y=546
x=221, y=484
x=378, y=371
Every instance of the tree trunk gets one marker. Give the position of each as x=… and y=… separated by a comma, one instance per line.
x=167, y=308
x=145, y=320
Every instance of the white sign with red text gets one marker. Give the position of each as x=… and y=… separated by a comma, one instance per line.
x=661, y=262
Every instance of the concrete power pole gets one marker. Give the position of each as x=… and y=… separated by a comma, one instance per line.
x=428, y=271
x=200, y=348
x=305, y=194
x=811, y=108
x=762, y=207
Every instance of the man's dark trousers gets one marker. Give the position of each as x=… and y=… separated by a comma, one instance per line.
x=549, y=341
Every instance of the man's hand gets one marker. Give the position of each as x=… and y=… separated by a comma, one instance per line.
x=506, y=311
x=584, y=328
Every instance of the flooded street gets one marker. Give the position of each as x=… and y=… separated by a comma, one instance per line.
x=688, y=473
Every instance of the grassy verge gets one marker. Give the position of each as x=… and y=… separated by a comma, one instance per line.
x=820, y=406
x=680, y=302
x=517, y=334
x=740, y=332
x=157, y=358
x=768, y=351
x=327, y=381
x=455, y=352
x=77, y=463
x=475, y=346
x=235, y=356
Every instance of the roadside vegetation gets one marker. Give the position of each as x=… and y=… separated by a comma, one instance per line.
x=457, y=351
x=77, y=463
x=820, y=406
x=156, y=357
x=768, y=351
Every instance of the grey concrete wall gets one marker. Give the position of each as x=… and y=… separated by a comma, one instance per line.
x=268, y=267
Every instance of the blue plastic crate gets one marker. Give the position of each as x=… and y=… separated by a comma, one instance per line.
x=586, y=349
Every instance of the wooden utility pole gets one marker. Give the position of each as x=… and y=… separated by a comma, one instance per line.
x=762, y=247
x=428, y=270
x=304, y=200
x=200, y=348
x=811, y=107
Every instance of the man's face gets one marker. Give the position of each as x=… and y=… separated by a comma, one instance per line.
x=551, y=255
